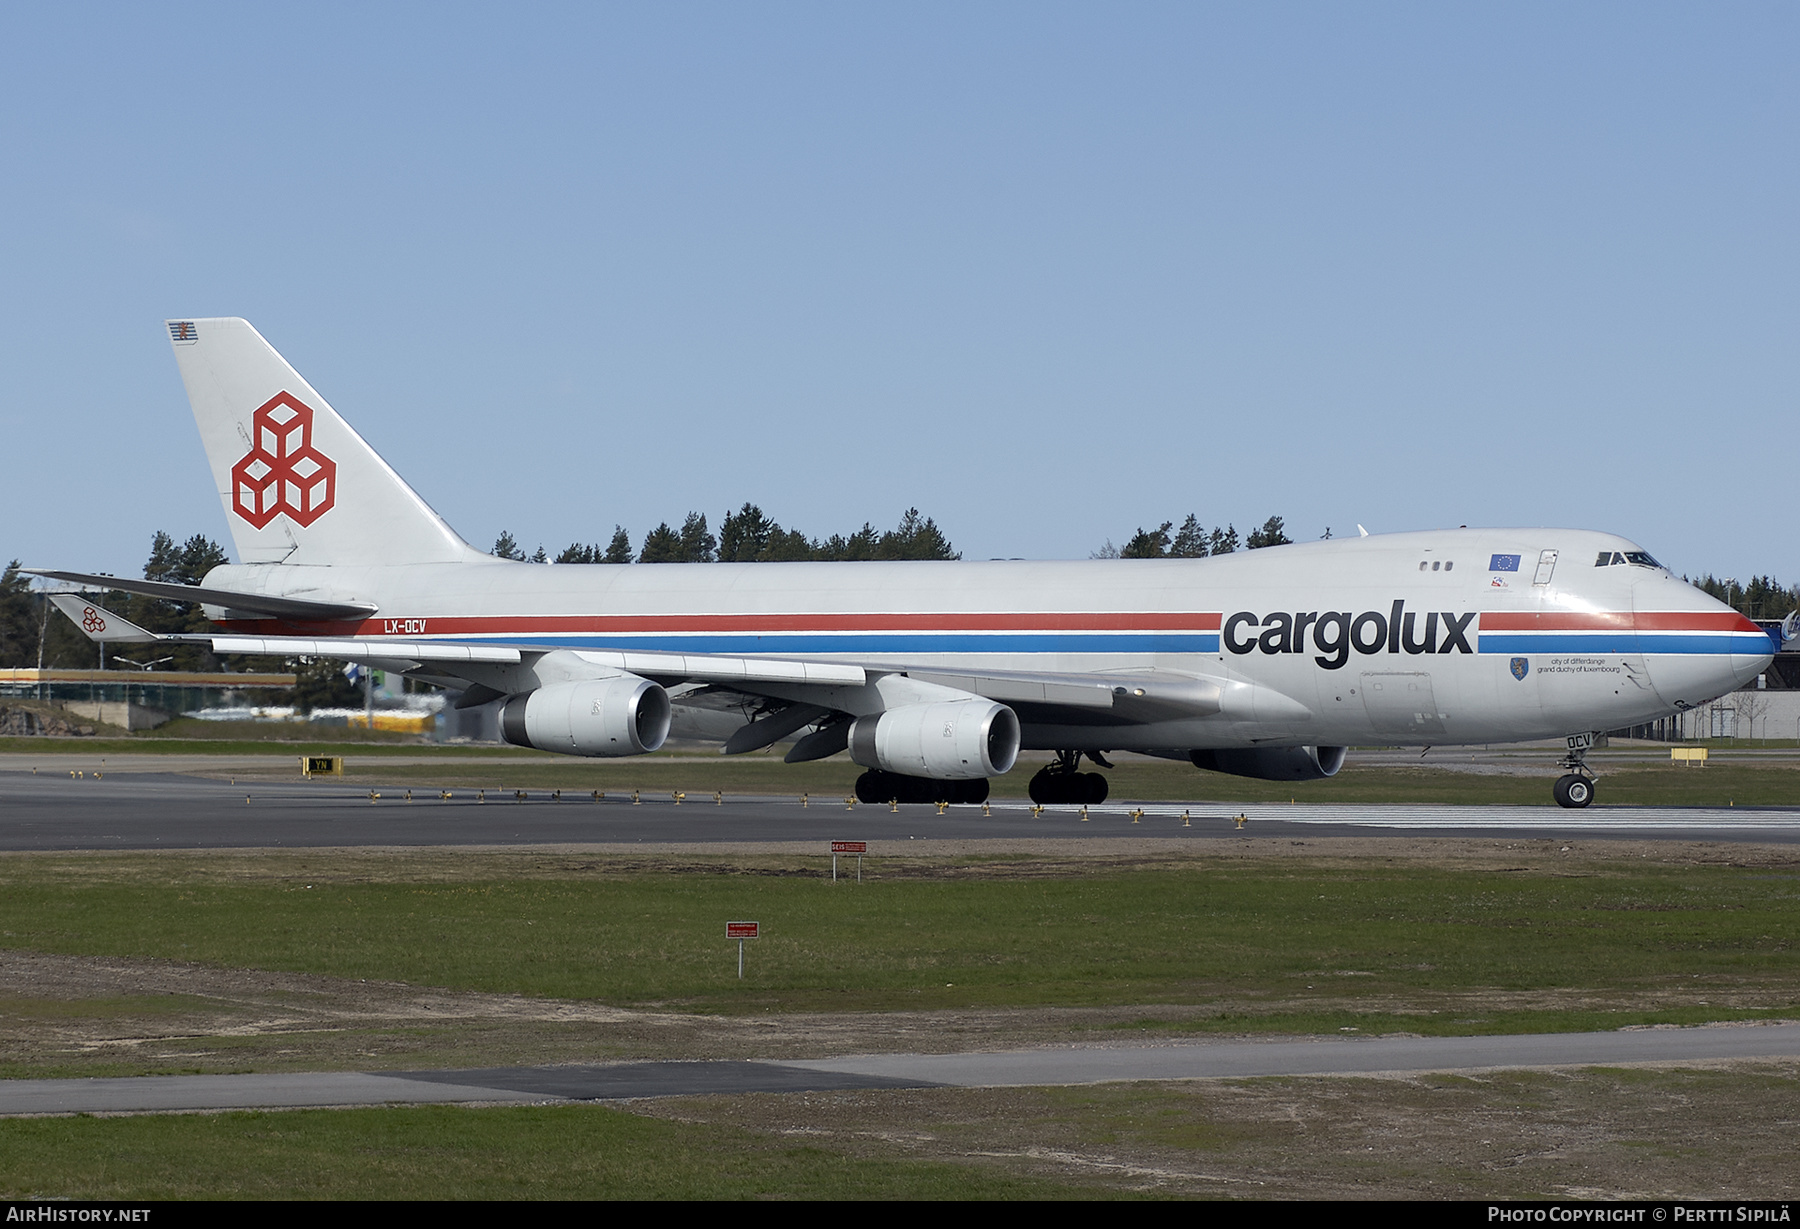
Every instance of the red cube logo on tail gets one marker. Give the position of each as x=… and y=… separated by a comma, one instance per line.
x=283, y=472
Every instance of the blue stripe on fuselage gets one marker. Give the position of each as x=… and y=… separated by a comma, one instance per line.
x=1715, y=643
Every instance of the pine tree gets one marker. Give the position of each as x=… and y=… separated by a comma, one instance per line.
x=745, y=534
x=186, y=564
x=1190, y=540
x=697, y=543
x=661, y=545
x=19, y=615
x=916, y=538
x=619, y=549
x=1271, y=534
x=1148, y=543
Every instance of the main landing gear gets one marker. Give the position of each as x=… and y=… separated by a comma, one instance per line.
x=876, y=785
x=1063, y=781
x=1575, y=788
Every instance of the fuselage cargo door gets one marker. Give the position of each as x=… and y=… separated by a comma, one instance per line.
x=1402, y=707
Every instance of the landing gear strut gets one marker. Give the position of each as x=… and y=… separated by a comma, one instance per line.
x=1575, y=788
x=1063, y=781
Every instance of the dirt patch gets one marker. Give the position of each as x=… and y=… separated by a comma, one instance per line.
x=1722, y=1132
x=90, y=1016
x=22, y=718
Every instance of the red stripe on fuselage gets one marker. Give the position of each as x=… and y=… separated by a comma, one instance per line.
x=1644, y=621
x=454, y=625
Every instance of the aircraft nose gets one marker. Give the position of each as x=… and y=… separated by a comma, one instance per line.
x=1695, y=647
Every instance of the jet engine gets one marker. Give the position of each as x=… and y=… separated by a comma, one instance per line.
x=1272, y=763
x=949, y=740
x=623, y=715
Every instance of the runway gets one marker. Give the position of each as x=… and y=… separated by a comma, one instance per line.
x=175, y=811
x=1073, y=1065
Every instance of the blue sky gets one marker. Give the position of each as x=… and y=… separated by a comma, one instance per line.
x=1048, y=272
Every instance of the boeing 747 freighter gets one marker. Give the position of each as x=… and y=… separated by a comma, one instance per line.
x=933, y=676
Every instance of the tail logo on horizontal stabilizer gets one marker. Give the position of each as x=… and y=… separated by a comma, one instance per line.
x=283, y=472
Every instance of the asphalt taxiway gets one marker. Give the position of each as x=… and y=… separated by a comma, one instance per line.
x=64, y=810
x=1071, y=1065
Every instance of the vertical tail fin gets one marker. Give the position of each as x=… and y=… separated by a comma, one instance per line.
x=298, y=484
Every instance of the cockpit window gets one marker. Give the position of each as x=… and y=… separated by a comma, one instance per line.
x=1613, y=558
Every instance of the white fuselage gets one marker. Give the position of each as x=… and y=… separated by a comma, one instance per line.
x=1304, y=638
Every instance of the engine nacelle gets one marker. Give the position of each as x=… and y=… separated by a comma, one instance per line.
x=950, y=740
x=624, y=715
x=1272, y=763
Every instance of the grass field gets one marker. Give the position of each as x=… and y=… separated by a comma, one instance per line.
x=1550, y=942
x=1588, y=1134
x=1721, y=784
x=1423, y=937
x=569, y=1152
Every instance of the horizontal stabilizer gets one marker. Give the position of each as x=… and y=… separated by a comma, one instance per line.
x=251, y=603
x=99, y=624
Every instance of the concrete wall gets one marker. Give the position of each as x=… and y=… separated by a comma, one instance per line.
x=117, y=712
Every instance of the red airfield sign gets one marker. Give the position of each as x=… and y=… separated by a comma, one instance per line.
x=741, y=930
x=849, y=847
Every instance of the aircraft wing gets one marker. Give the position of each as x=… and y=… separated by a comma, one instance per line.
x=1127, y=697
x=351, y=649
x=98, y=623
x=820, y=687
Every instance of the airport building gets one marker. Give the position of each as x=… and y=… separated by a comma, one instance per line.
x=141, y=699
x=136, y=700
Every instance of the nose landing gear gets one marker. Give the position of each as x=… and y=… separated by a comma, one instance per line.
x=1575, y=788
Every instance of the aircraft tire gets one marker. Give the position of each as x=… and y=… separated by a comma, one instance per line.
x=969, y=793
x=1574, y=791
x=1048, y=788
x=1094, y=788
x=877, y=786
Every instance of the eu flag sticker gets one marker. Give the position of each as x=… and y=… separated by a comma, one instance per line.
x=1521, y=666
x=1504, y=563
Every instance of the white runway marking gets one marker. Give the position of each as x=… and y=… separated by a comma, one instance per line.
x=1426, y=815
